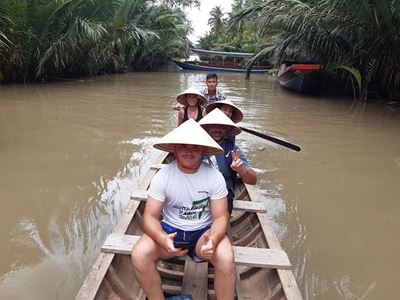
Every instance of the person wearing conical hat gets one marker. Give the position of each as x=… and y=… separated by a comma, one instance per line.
x=228, y=108
x=191, y=197
x=192, y=101
x=232, y=161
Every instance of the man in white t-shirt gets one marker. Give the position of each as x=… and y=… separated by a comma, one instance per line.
x=191, y=195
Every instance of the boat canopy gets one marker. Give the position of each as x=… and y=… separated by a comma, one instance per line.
x=221, y=53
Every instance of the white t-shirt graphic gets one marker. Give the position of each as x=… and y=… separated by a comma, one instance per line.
x=187, y=196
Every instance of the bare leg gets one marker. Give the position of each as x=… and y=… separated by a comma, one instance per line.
x=225, y=269
x=145, y=255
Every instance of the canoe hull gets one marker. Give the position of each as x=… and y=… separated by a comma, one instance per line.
x=112, y=275
x=301, y=79
x=208, y=68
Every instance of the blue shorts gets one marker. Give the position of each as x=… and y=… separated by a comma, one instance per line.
x=187, y=236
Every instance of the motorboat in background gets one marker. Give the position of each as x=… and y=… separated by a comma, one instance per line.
x=220, y=61
x=300, y=77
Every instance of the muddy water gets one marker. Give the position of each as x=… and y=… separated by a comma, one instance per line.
x=72, y=152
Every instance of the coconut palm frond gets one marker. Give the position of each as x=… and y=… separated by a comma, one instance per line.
x=4, y=20
x=70, y=45
x=90, y=30
x=4, y=41
x=217, y=21
x=264, y=53
x=355, y=73
x=56, y=21
x=56, y=54
x=79, y=37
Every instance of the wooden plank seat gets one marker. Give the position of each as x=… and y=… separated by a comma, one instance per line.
x=244, y=256
x=195, y=280
x=250, y=206
x=158, y=166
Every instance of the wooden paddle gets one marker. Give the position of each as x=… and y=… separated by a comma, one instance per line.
x=259, y=134
x=272, y=139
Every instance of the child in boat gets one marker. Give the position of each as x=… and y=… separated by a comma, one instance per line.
x=193, y=101
x=191, y=198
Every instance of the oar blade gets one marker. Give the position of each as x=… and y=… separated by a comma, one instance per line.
x=272, y=139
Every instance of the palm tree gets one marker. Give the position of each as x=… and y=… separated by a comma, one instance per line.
x=217, y=21
x=47, y=39
x=65, y=39
x=181, y=3
x=361, y=35
x=241, y=36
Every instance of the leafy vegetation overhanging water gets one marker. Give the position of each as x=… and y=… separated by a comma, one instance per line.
x=357, y=42
x=47, y=39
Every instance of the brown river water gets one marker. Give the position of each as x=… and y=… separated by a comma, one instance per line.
x=72, y=152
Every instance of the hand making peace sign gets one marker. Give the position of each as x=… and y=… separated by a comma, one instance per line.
x=237, y=163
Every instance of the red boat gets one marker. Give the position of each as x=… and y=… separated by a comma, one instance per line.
x=300, y=77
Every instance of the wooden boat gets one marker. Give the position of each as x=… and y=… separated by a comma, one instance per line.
x=219, y=61
x=112, y=277
x=300, y=77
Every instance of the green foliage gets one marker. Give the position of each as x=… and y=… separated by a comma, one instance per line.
x=69, y=38
x=180, y=3
x=362, y=35
x=4, y=21
x=355, y=74
x=217, y=21
x=242, y=36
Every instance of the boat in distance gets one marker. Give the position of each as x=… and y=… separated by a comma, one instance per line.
x=263, y=268
x=300, y=77
x=220, y=61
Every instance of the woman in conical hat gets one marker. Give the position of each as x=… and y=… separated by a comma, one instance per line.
x=228, y=108
x=192, y=101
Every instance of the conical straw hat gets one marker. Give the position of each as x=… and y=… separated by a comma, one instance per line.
x=181, y=98
x=237, y=114
x=216, y=116
x=189, y=132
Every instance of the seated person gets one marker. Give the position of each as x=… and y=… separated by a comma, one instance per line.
x=191, y=196
x=228, y=108
x=232, y=161
x=192, y=102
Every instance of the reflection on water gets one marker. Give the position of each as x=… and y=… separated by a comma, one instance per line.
x=71, y=153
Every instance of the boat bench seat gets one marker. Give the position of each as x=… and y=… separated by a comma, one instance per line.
x=240, y=205
x=244, y=256
x=159, y=166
